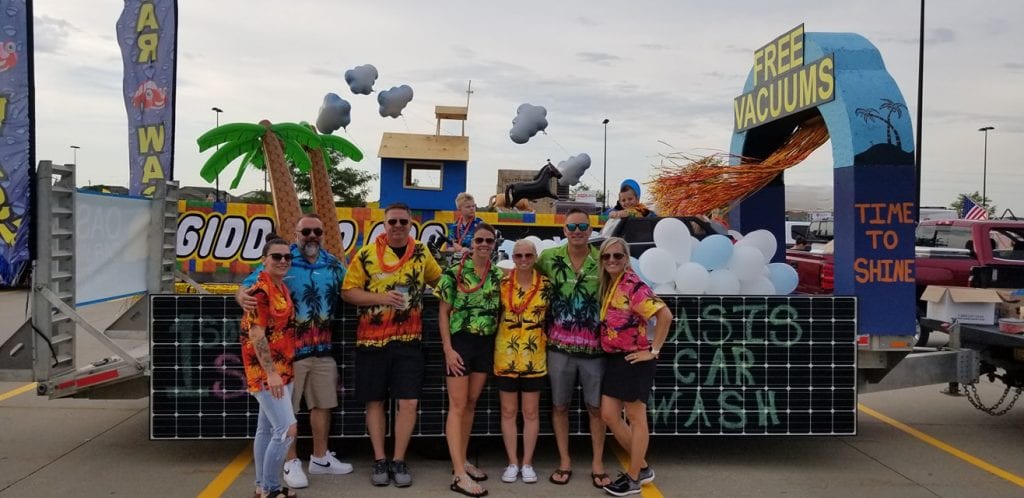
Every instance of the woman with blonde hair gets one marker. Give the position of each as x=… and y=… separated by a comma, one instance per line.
x=627, y=303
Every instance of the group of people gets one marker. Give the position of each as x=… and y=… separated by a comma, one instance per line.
x=575, y=314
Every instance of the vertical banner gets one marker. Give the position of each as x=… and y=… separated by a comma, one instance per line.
x=16, y=139
x=148, y=35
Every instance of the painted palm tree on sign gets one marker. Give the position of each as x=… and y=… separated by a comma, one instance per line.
x=320, y=186
x=262, y=145
x=891, y=107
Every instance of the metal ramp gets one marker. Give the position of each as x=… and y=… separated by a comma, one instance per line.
x=54, y=321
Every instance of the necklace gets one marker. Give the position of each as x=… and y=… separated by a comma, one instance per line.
x=607, y=301
x=461, y=229
x=534, y=288
x=458, y=278
x=382, y=244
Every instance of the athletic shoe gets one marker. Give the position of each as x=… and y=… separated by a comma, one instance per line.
x=646, y=475
x=328, y=464
x=529, y=475
x=623, y=486
x=293, y=475
x=511, y=473
x=400, y=474
x=380, y=476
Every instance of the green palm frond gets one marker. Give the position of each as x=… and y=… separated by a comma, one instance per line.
x=293, y=132
x=223, y=157
x=249, y=159
x=231, y=132
x=293, y=151
x=346, y=148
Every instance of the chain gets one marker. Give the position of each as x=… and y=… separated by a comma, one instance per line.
x=994, y=410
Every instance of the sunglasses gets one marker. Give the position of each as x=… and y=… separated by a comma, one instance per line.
x=582, y=227
x=525, y=255
x=306, y=231
x=609, y=255
x=397, y=221
x=278, y=256
x=484, y=240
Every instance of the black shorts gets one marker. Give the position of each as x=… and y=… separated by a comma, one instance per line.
x=628, y=381
x=477, y=352
x=520, y=384
x=395, y=369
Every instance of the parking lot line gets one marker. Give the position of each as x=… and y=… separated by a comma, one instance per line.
x=227, y=477
x=967, y=457
x=648, y=490
x=14, y=392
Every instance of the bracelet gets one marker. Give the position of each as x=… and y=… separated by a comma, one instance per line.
x=655, y=351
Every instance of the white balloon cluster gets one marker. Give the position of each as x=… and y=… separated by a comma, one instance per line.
x=541, y=245
x=680, y=264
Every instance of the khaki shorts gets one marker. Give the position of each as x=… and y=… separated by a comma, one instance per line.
x=316, y=379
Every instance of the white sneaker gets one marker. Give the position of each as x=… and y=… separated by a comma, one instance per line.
x=294, y=477
x=511, y=473
x=328, y=465
x=529, y=475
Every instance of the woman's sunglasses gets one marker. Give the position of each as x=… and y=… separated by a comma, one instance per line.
x=306, y=231
x=278, y=256
x=609, y=255
x=396, y=221
x=582, y=227
x=525, y=255
x=484, y=240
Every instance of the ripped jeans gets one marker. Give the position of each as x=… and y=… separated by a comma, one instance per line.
x=272, y=440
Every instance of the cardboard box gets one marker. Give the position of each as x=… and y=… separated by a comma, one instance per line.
x=1011, y=305
x=962, y=304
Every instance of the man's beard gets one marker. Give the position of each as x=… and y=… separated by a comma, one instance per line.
x=311, y=249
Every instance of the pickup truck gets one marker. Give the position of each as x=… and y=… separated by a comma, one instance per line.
x=965, y=253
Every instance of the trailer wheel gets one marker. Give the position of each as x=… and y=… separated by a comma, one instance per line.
x=921, y=333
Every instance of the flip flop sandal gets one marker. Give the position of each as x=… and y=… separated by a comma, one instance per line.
x=461, y=490
x=478, y=476
x=594, y=478
x=561, y=473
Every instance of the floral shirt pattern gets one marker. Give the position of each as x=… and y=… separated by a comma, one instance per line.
x=274, y=312
x=624, y=325
x=574, y=313
x=473, y=313
x=316, y=294
x=379, y=325
x=520, y=347
x=466, y=233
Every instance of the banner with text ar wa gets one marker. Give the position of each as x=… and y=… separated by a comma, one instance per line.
x=16, y=140
x=147, y=32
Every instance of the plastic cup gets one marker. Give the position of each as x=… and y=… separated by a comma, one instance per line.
x=404, y=289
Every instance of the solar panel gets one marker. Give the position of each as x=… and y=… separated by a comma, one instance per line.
x=733, y=365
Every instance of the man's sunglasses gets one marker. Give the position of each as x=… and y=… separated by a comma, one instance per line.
x=278, y=256
x=316, y=231
x=396, y=221
x=525, y=255
x=609, y=255
x=582, y=227
x=484, y=240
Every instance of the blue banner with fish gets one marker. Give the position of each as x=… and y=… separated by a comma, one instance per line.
x=16, y=140
x=147, y=32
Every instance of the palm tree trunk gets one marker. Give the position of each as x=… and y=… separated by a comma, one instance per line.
x=286, y=201
x=323, y=203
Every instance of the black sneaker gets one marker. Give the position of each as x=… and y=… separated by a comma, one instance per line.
x=380, y=475
x=623, y=486
x=646, y=475
x=400, y=474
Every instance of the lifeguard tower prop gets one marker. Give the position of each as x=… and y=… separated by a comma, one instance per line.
x=425, y=171
x=800, y=78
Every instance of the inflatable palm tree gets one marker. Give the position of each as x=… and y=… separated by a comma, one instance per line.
x=320, y=187
x=263, y=145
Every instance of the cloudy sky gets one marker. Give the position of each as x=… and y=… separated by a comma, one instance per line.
x=663, y=72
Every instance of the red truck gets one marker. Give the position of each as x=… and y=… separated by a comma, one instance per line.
x=966, y=253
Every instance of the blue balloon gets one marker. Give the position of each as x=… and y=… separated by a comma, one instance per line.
x=713, y=252
x=783, y=277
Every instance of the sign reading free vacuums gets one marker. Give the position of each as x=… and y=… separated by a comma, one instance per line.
x=783, y=85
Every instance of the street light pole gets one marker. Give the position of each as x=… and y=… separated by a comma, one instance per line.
x=984, y=165
x=604, y=187
x=217, y=111
x=74, y=154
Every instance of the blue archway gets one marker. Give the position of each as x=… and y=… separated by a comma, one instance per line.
x=874, y=180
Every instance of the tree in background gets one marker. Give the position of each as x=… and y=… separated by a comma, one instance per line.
x=958, y=204
x=351, y=186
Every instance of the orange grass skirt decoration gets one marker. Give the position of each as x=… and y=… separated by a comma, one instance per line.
x=700, y=185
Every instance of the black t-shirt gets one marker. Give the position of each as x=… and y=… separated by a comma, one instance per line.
x=399, y=251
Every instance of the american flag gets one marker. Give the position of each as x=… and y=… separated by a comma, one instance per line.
x=972, y=211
